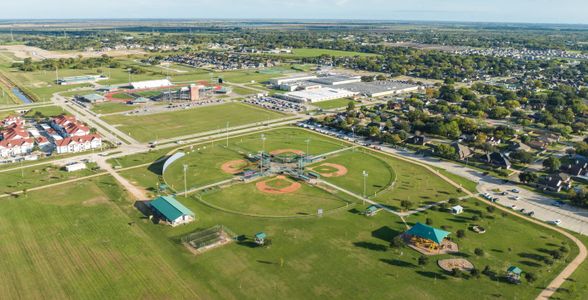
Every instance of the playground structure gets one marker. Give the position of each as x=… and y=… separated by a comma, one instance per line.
x=260, y=238
x=429, y=240
x=513, y=274
x=207, y=239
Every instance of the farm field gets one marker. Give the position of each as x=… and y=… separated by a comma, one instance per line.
x=331, y=104
x=180, y=123
x=75, y=242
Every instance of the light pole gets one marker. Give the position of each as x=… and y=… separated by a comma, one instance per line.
x=185, y=181
x=262, y=150
x=227, y=131
x=365, y=176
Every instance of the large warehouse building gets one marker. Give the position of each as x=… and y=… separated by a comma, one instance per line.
x=276, y=82
x=317, y=95
x=380, y=88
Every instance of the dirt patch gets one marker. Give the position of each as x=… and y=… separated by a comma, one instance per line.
x=455, y=263
x=330, y=170
x=234, y=166
x=22, y=52
x=286, y=151
x=267, y=187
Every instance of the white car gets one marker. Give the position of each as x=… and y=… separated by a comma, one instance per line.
x=515, y=191
x=513, y=206
x=556, y=222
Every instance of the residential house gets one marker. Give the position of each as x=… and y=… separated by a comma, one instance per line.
x=555, y=182
x=78, y=143
x=462, y=151
x=17, y=147
x=498, y=159
x=416, y=140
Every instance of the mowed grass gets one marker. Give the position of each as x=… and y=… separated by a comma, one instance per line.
x=415, y=184
x=332, y=104
x=247, y=199
x=345, y=254
x=288, y=138
x=27, y=178
x=75, y=243
x=380, y=173
x=111, y=107
x=181, y=123
x=47, y=111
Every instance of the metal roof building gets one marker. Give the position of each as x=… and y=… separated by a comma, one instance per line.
x=171, y=210
x=428, y=233
x=151, y=84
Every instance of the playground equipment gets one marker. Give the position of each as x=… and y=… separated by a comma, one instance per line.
x=260, y=238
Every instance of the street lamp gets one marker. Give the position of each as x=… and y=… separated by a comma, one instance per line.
x=365, y=176
x=185, y=181
x=263, y=138
x=227, y=134
x=307, y=147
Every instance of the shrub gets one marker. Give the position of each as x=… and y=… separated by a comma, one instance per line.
x=429, y=221
x=479, y=252
x=460, y=233
x=423, y=260
x=563, y=249
x=475, y=273
x=475, y=218
x=457, y=273
x=548, y=261
x=530, y=277
x=490, y=209
x=405, y=204
x=453, y=201
x=556, y=254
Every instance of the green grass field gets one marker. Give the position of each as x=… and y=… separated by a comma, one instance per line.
x=26, y=178
x=111, y=107
x=331, y=104
x=180, y=123
x=47, y=111
x=75, y=242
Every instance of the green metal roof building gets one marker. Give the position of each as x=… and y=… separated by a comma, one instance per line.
x=428, y=233
x=171, y=210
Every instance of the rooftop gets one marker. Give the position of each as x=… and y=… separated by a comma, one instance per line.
x=428, y=232
x=170, y=208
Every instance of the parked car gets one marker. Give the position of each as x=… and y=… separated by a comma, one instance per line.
x=556, y=222
x=515, y=191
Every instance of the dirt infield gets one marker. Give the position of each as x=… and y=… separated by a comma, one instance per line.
x=282, y=151
x=234, y=166
x=264, y=187
x=339, y=170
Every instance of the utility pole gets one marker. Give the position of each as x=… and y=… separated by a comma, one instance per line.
x=185, y=181
x=11, y=35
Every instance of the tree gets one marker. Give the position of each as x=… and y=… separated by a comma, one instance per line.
x=397, y=242
x=528, y=177
x=429, y=221
x=552, y=164
x=460, y=233
x=405, y=204
x=351, y=106
x=479, y=251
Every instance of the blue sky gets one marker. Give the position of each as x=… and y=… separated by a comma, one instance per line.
x=530, y=11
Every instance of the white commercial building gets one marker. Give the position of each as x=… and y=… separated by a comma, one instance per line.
x=318, y=95
x=151, y=84
x=77, y=166
x=336, y=80
x=283, y=80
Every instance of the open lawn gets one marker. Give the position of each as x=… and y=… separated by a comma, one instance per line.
x=75, y=243
x=111, y=107
x=26, y=178
x=46, y=111
x=415, y=184
x=345, y=254
x=331, y=104
x=180, y=123
x=247, y=199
